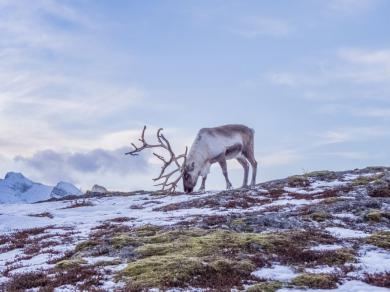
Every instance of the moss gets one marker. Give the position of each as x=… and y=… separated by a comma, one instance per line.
x=373, y=216
x=198, y=259
x=147, y=230
x=365, y=180
x=238, y=221
x=68, y=264
x=265, y=287
x=107, y=263
x=164, y=271
x=376, y=216
x=331, y=200
x=122, y=240
x=298, y=181
x=86, y=245
x=206, y=258
x=177, y=270
x=320, y=216
x=323, y=174
x=339, y=257
x=380, y=239
x=317, y=281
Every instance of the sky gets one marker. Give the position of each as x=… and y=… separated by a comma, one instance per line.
x=79, y=79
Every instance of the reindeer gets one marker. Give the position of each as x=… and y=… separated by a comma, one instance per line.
x=210, y=146
x=218, y=145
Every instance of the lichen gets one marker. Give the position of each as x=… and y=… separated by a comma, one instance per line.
x=331, y=200
x=379, y=239
x=317, y=281
x=208, y=258
x=322, y=175
x=265, y=287
x=365, y=180
x=86, y=245
x=298, y=181
x=71, y=263
x=320, y=216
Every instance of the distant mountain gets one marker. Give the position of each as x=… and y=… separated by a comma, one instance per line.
x=16, y=188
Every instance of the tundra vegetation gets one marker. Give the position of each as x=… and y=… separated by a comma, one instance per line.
x=319, y=226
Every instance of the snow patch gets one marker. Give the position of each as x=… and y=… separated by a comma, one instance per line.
x=346, y=233
x=276, y=272
x=349, y=286
x=325, y=247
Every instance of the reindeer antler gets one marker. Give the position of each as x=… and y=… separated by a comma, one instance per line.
x=163, y=143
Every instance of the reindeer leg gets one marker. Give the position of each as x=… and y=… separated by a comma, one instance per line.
x=222, y=163
x=253, y=162
x=245, y=165
x=203, y=185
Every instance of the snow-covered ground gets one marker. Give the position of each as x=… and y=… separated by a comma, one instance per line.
x=67, y=223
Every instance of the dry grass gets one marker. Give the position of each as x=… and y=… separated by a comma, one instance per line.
x=78, y=204
x=43, y=214
x=379, y=279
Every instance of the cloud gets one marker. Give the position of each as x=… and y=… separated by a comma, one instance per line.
x=72, y=166
x=372, y=112
x=253, y=27
x=344, y=135
x=345, y=76
x=351, y=6
x=46, y=101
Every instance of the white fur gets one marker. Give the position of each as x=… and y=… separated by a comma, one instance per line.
x=206, y=147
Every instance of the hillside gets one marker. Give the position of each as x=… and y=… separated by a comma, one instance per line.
x=321, y=230
x=16, y=188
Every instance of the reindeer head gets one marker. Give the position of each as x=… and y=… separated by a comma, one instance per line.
x=190, y=177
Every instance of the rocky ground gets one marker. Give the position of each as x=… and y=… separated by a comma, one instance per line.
x=321, y=230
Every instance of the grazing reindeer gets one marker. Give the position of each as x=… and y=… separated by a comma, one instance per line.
x=210, y=146
x=218, y=145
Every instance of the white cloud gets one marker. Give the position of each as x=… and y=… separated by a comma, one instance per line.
x=43, y=102
x=262, y=26
x=373, y=57
x=348, y=74
x=351, y=6
x=344, y=135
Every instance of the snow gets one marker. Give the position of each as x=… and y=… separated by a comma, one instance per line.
x=94, y=260
x=324, y=247
x=297, y=202
x=349, y=286
x=16, y=188
x=64, y=189
x=301, y=191
x=327, y=184
x=276, y=272
x=323, y=270
x=345, y=215
x=372, y=260
x=346, y=233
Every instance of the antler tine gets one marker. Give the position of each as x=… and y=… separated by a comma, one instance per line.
x=163, y=143
x=142, y=139
x=144, y=145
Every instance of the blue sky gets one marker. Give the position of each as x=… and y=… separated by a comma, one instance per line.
x=79, y=79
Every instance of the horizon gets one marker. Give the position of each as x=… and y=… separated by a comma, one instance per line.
x=80, y=79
